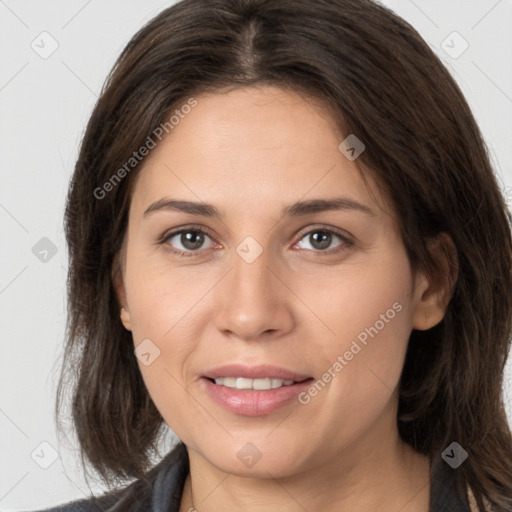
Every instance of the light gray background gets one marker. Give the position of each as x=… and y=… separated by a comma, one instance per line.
x=45, y=104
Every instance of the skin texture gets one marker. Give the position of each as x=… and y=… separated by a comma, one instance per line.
x=251, y=152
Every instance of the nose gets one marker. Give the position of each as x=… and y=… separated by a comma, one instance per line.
x=254, y=302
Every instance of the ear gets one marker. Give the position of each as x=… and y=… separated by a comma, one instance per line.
x=118, y=281
x=433, y=293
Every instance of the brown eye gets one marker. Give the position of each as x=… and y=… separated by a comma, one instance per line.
x=186, y=240
x=192, y=240
x=322, y=239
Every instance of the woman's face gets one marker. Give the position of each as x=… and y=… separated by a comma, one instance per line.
x=288, y=269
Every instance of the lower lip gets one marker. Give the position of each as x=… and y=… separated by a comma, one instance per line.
x=249, y=402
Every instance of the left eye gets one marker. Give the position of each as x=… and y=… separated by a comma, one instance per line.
x=321, y=239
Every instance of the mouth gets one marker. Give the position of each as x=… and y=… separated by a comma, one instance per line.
x=253, y=391
x=262, y=384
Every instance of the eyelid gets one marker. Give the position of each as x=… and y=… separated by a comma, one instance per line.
x=175, y=231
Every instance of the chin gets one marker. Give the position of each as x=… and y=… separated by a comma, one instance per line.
x=256, y=457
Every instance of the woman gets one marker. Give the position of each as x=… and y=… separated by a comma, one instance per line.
x=287, y=244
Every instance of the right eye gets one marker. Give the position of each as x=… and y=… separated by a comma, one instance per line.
x=190, y=239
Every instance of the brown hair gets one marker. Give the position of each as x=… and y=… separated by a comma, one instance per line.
x=383, y=83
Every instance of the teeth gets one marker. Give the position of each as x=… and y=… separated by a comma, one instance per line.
x=258, y=384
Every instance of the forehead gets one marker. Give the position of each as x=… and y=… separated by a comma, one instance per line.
x=251, y=147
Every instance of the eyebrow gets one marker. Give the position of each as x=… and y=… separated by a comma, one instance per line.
x=295, y=210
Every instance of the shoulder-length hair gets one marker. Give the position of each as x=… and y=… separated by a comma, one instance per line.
x=381, y=81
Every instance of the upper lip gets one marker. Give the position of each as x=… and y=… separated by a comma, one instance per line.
x=262, y=371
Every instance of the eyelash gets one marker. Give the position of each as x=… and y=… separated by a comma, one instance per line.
x=346, y=242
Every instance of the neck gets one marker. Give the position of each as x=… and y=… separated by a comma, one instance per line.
x=387, y=477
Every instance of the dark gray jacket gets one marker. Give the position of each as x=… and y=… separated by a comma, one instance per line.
x=161, y=490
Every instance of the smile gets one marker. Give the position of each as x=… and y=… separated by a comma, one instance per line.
x=253, y=390
x=258, y=384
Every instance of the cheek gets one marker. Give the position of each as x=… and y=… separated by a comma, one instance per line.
x=162, y=311
x=368, y=302
x=169, y=325
x=161, y=296
x=372, y=318
x=379, y=321
x=164, y=304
